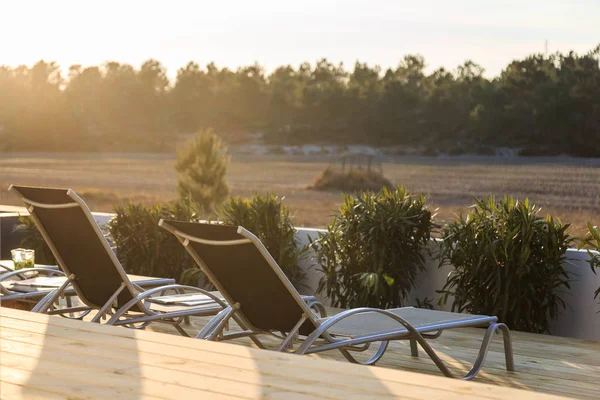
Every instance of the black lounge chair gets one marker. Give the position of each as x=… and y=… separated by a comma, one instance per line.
x=8, y=277
x=263, y=301
x=93, y=270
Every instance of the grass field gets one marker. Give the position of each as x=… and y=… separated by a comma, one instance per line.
x=567, y=188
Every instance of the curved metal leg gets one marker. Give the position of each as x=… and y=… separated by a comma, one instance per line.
x=142, y=325
x=318, y=307
x=139, y=301
x=46, y=303
x=216, y=323
x=371, y=361
x=181, y=330
x=508, y=349
x=478, y=364
x=78, y=317
x=413, y=335
x=108, y=305
x=257, y=342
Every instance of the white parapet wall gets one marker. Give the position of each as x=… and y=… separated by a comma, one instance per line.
x=101, y=218
x=580, y=319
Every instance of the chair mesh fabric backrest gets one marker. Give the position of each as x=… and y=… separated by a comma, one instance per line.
x=77, y=243
x=246, y=276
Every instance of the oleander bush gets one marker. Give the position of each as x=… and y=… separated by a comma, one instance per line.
x=508, y=262
x=267, y=217
x=144, y=248
x=593, y=240
x=374, y=248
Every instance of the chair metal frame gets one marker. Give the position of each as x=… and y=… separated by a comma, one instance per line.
x=124, y=315
x=321, y=339
x=8, y=295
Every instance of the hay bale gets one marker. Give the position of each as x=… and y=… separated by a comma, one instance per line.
x=358, y=179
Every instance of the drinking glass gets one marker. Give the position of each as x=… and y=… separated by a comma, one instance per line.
x=23, y=258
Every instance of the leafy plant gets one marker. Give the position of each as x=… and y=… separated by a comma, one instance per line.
x=426, y=303
x=144, y=248
x=508, y=262
x=593, y=239
x=268, y=218
x=32, y=239
x=374, y=248
x=201, y=168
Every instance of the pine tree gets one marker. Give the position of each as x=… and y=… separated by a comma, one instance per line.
x=201, y=168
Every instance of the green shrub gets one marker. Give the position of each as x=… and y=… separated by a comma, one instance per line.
x=426, y=303
x=374, y=249
x=201, y=168
x=593, y=240
x=144, y=248
x=508, y=262
x=270, y=221
x=32, y=239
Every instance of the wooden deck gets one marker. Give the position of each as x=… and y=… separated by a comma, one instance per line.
x=545, y=364
x=51, y=357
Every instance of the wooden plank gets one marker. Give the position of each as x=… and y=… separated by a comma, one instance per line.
x=58, y=332
x=549, y=374
x=10, y=391
x=116, y=379
x=537, y=338
x=199, y=365
x=203, y=364
x=129, y=333
x=429, y=362
x=560, y=362
x=40, y=382
x=470, y=339
x=134, y=366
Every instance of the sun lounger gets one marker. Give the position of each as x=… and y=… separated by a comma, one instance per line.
x=9, y=278
x=93, y=270
x=262, y=300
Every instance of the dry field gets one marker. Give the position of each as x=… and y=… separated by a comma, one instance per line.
x=567, y=188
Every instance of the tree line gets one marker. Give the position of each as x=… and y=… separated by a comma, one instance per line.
x=542, y=104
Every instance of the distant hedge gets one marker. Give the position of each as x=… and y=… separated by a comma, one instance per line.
x=542, y=105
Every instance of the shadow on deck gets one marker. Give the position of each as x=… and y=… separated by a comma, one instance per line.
x=548, y=364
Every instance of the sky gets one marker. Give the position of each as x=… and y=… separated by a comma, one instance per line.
x=280, y=32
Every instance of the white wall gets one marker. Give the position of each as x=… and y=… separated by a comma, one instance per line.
x=580, y=319
x=313, y=275
x=100, y=217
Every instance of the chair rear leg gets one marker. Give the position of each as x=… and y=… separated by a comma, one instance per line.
x=508, y=349
x=414, y=348
x=181, y=330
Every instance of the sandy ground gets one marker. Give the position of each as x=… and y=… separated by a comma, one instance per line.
x=567, y=188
